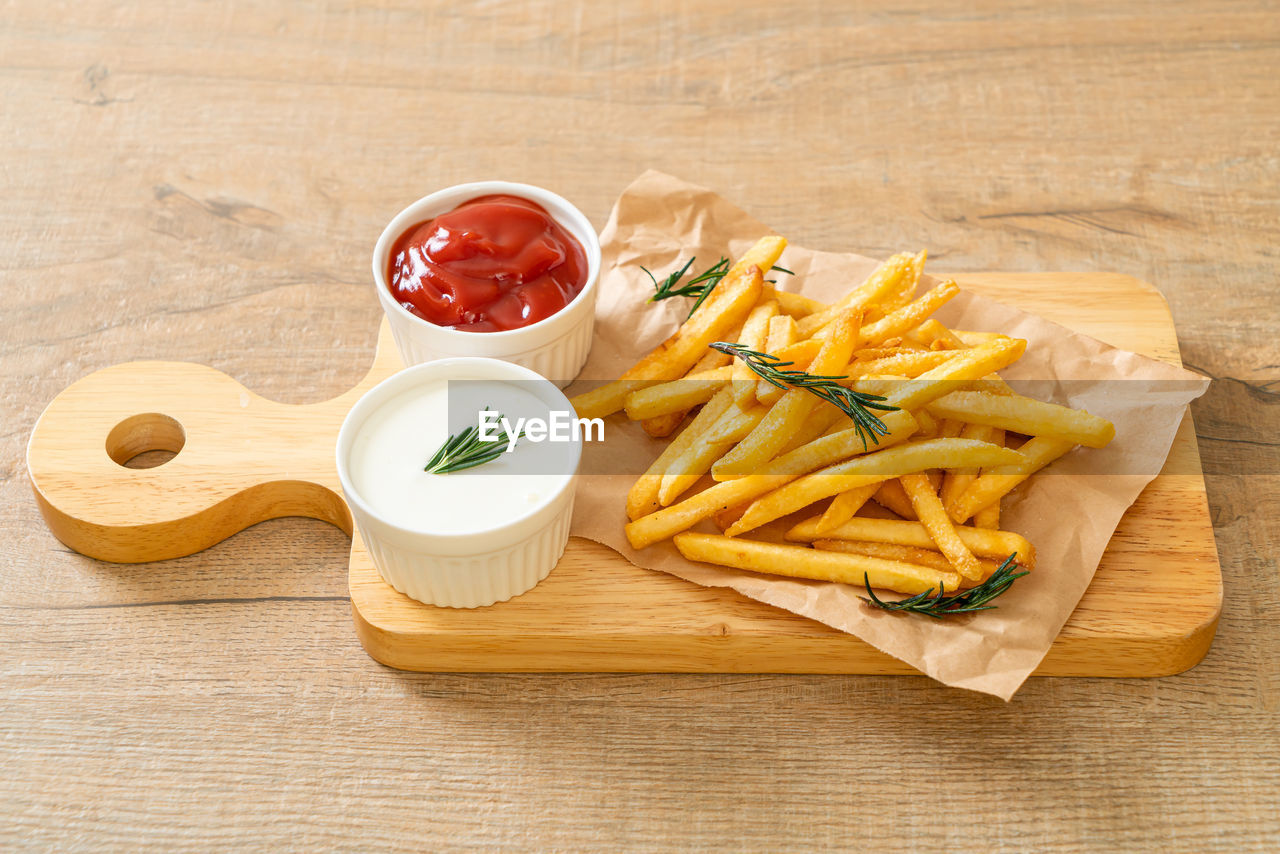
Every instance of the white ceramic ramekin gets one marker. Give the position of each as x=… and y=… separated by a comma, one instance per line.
x=555, y=347
x=464, y=570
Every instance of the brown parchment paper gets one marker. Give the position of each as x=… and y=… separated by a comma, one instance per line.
x=660, y=220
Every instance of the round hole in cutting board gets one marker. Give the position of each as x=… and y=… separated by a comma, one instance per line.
x=146, y=440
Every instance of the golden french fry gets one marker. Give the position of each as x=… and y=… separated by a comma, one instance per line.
x=726, y=517
x=929, y=426
x=884, y=279
x=662, y=426
x=974, y=339
x=676, y=396
x=736, y=424
x=931, y=513
x=905, y=290
x=987, y=517
x=793, y=305
x=964, y=365
x=958, y=480
x=823, y=420
x=801, y=562
x=643, y=496
x=867, y=469
x=891, y=496
x=789, y=414
x=992, y=384
x=801, y=355
x=911, y=315
x=1025, y=415
x=755, y=332
x=905, y=363
x=698, y=458
x=782, y=333
x=842, y=508
x=729, y=303
x=938, y=337
x=996, y=545
x=993, y=485
x=669, y=521
x=906, y=554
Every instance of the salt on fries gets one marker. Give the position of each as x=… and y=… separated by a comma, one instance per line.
x=948, y=454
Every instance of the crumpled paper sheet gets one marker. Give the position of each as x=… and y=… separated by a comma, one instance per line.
x=660, y=220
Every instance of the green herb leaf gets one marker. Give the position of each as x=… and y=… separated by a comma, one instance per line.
x=856, y=404
x=699, y=287
x=467, y=450
x=940, y=605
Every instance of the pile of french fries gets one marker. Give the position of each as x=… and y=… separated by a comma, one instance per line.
x=958, y=441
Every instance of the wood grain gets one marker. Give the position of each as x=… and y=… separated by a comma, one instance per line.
x=1151, y=611
x=203, y=183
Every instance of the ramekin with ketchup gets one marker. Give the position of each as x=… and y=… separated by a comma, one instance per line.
x=495, y=269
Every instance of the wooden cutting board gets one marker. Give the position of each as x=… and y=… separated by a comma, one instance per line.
x=1152, y=608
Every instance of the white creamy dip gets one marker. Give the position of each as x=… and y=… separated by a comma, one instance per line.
x=395, y=442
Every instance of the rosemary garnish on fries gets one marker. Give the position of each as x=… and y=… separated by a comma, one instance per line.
x=856, y=404
x=938, y=605
x=699, y=287
x=467, y=450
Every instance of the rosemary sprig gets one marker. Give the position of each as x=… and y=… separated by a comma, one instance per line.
x=467, y=450
x=856, y=404
x=699, y=287
x=938, y=605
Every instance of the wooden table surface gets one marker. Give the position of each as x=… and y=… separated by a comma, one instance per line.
x=205, y=181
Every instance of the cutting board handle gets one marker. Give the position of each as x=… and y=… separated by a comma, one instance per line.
x=239, y=458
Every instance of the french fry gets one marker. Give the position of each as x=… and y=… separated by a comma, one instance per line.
x=939, y=337
x=801, y=355
x=729, y=303
x=891, y=496
x=993, y=485
x=676, y=396
x=643, y=496
x=884, y=279
x=726, y=517
x=974, y=339
x=910, y=315
x=906, y=554
x=867, y=469
x=996, y=545
x=782, y=333
x=928, y=424
x=698, y=458
x=905, y=363
x=669, y=521
x=736, y=424
x=988, y=517
x=1025, y=415
x=931, y=513
x=905, y=290
x=964, y=365
x=800, y=562
x=755, y=333
x=822, y=421
x=957, y=480
x=793, y=305
x=842, y=508
x=787, y=416
x=664, y=425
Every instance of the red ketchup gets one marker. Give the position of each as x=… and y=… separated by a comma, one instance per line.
x=492, y=263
